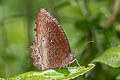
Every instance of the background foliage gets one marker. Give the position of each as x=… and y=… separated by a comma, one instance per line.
x=82, y=20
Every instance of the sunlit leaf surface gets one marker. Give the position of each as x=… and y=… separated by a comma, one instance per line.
x=110, y=57
x=54, y=74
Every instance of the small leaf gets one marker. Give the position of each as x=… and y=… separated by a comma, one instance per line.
x=110, y=57
x=54, y=74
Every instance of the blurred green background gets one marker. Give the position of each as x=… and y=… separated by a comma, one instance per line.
x=82, y=20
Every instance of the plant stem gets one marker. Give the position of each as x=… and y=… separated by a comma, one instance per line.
x=28, y=13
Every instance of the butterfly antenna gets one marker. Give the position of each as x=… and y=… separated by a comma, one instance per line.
x=87, y=43
x=82, y=46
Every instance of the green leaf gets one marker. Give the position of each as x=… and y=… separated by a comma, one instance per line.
x=110, y=57
x=54, y=74
x=118, y=77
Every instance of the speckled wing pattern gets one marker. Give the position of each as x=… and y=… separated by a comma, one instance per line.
x=51, y=49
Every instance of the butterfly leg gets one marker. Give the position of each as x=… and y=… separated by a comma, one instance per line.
x=74, y=61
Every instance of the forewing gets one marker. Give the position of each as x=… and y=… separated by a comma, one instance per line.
x=51, y=48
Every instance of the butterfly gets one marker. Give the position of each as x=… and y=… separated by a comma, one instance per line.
x=51, y=48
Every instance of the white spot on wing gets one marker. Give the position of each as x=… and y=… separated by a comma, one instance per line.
x=51, y=41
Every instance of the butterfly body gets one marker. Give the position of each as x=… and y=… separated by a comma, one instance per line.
x=51, y=49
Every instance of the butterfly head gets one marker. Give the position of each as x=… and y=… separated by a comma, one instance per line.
x=72, y=56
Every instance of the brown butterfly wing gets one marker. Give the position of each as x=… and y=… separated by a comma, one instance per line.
x=51, y=49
